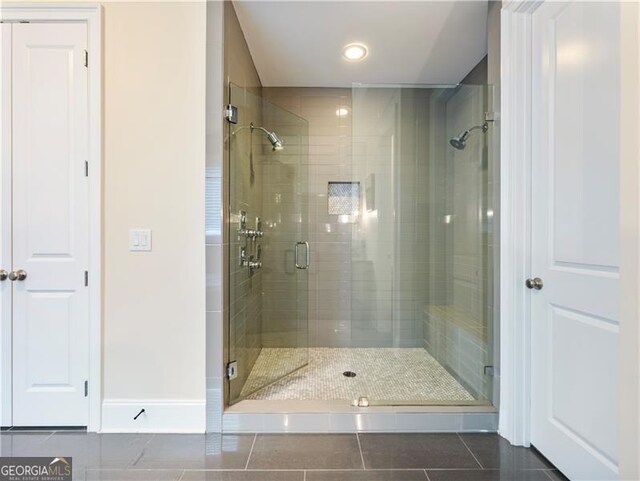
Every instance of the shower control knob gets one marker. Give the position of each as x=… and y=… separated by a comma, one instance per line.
x=534, y=283
x=254, y=264
x=3, y=275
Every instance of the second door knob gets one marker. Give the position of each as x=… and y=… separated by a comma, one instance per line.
x=535, y=283
x=19, y=275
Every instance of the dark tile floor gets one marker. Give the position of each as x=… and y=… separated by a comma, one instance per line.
x=284, y=457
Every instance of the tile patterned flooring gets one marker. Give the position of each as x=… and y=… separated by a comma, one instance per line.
x=408, y=375
x=284, y=457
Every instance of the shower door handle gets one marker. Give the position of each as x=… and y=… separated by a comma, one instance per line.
x=307, y=257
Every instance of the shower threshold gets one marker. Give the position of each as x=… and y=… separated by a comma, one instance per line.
x=307, y=416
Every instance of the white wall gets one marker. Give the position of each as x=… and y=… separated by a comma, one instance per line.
x=153, y=171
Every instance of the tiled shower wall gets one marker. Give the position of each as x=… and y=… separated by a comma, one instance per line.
x=370, y=274
x=285, y=204
x=329, y=159
x=391, y=135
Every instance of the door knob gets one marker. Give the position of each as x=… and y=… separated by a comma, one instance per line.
x=535, y=283
x=3, y=275
x=19, y=275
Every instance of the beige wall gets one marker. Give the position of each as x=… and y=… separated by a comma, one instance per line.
x=629, y=356
x=154, y=131
x=154, y=156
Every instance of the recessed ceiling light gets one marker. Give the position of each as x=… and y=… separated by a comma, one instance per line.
x=342, y=112
x=354, y=52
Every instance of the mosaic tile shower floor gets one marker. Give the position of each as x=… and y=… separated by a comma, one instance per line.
x=404, y=375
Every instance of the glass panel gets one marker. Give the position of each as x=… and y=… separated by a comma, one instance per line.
x=268, y=306
x=422, y=245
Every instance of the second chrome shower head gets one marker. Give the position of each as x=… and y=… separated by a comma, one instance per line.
x=275, y=141
x=460, y=141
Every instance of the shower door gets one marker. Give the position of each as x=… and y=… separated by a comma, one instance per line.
x=268, y=253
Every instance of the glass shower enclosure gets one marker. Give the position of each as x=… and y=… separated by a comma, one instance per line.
x=422, y=243
x=400, y=210
x=268, y=248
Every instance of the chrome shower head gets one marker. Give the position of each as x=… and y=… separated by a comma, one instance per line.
x=275, y=141
x=460, y=141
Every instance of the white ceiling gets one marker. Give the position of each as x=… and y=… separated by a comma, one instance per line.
x=414, y=42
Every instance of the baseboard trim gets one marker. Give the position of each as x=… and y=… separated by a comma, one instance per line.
x=160, y=416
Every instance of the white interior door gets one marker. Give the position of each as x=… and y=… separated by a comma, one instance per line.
x=50, y=222
x=575, y=237
x=5, y=223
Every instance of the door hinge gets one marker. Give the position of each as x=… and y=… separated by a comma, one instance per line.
x=231, y=114
x=489, y=371
x=86, y=388
x=232, y=370
x=86, y=58
x=86, y=278
x=86, y=168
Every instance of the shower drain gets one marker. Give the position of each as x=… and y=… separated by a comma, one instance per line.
x=349, y=374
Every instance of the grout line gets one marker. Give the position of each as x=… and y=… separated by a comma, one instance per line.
x=427, y=475
x=304, y=475
x=360, y=448
x=468, y=449
x=255, y=436
x=182, y=475
x=299, y=470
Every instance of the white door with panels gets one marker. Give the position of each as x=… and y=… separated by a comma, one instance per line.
x=575, y=237
x=47, y=202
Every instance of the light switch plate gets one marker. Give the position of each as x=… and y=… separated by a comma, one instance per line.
x=140, y=240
